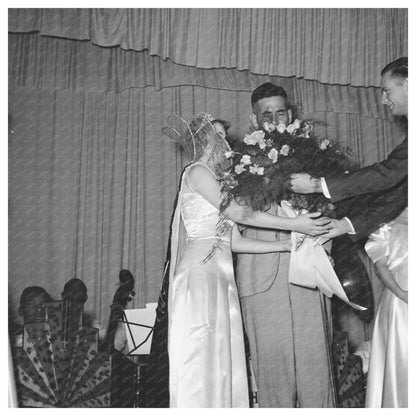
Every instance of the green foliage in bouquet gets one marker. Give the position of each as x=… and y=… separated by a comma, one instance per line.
x=265, y=160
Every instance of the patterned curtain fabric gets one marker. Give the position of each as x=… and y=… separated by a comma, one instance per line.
x=92, y=179
x=326, y=45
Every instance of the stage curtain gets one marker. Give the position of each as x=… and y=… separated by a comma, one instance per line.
x=335, y=46
x=92, y=179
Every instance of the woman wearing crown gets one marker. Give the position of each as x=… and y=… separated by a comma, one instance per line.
x=207, y=366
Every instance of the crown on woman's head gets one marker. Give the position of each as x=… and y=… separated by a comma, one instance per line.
x=187, y=133
x=203, y=119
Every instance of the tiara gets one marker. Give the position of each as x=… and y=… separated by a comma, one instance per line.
x=181, y=132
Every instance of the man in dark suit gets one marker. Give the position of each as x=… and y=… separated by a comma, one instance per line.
x=384, y=183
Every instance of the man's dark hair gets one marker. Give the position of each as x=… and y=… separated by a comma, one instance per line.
x=31, y=291
x=75, y=291
x=267, y=90
x=397, y=68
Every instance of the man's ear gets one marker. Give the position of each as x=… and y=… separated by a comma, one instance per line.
x=290, y=115
x=253, y=119
x=406, y=85
x=20, y=310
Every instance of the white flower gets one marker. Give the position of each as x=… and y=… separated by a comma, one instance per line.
x=256, y=169
x=258, y=134
x=296, y=123
x=254, y=137
x=262, y=144
x=229, y=154
x=324, y=144
x=269, y=127
x=245, y=160
x=281, y=128
x=291, y=128
x=273, y=155
x=248, y=139
x=285, y=150
x=239, y=169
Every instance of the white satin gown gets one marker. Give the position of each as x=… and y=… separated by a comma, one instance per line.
x=205, y=339
x=387, y=383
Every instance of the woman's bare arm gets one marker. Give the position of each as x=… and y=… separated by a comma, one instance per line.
x=240, y=244
x=202, y=181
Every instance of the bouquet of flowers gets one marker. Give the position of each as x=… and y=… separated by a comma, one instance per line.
x=260, y=175
x=265, y=160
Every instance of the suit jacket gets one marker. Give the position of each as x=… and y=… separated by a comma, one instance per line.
x=368, y=213
x=257, y=272
x=377, y=177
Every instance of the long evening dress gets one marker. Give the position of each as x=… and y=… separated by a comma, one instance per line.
x=387, y=384
x=207, y=365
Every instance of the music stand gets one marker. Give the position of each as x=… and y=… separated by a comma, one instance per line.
x=139, y=328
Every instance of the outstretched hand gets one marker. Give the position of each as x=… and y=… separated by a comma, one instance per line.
x=311, y=225
x=303, y=183
x=338, y=227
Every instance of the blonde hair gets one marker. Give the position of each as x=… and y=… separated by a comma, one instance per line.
x=210, y=147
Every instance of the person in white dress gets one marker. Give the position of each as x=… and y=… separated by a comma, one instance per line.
x=207, y=365
x=387, y=383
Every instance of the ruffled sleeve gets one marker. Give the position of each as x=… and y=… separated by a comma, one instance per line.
x=391, y=241
x=377, y=244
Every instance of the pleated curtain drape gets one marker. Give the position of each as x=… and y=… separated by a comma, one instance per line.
x=92, y=179
x=334, y=46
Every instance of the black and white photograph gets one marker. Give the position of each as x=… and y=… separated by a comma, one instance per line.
x=208, y=206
